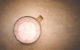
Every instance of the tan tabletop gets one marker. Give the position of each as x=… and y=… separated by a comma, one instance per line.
x=60, y=25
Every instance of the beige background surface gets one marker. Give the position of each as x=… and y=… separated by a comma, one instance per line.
x=60, y=26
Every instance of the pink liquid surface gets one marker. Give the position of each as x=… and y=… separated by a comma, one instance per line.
x=27, y=30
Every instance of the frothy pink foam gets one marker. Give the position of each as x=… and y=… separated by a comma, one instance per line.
x=27, y=30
